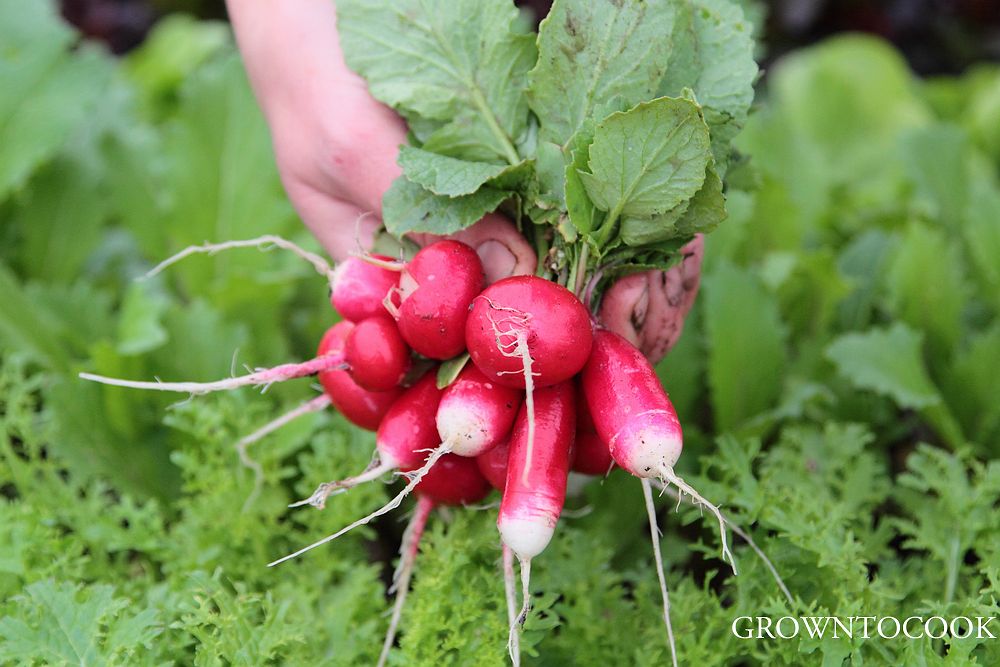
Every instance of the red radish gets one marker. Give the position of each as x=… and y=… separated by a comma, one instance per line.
x=359, y=287
x=376, y=353
x=454, y=480
x=405, y=435
x=591, y=455
x=493, y=464
x=476, y=413
x=525, y=331
x=434, y=294
x=528, y=332
x=533, y=497
x=361, y=407
x=633, y=414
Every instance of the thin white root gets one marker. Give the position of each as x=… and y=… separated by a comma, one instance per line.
x=260, y=377
x=512, y=342
x=654, y=533
x=414, y=479
x=513, y=640
x=510, y=593
x=335, y=487
x=388, y=265
x=733, y=526
x=667, y=474
x=262, y=242
x=401, y=579
x=314, y=405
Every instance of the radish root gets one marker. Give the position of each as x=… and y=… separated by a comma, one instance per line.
x=262, y=242
x=667, y=474
x=401, y=578
x=733, y=526
x=259, y=377
x=332, y=488
x=513, y=342
x=414, y=479
x=314, y=405
x=510, y=593
x=513, y=642
x=654, y=533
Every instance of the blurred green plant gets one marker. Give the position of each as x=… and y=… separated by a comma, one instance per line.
x=837, y=378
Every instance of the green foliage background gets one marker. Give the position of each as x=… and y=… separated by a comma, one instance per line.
x=837, y=382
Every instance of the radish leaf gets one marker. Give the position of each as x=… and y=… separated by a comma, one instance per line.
x=591, y=51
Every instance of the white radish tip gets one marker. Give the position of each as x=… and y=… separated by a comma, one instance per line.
x=645, y=446
x=525, y=537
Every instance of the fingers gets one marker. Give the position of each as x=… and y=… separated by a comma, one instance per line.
x=341, y=228
x=648, y=309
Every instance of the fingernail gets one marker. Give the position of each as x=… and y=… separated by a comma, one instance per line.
x=498, y=260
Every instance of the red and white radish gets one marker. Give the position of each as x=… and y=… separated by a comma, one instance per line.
x=476, y=413
x=634, y=416
x=533, y=496
x=432, y=301
x=376, y=354
x=361, y=407
x=359, y=287
x=527, y=332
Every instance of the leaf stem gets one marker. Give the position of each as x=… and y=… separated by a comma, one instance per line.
x=508, y=148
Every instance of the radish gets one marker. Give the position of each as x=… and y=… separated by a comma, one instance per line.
x=533, y=497
x=634, y=416
x=359, y=287
x=376, y=354
x=361, y=407
x=435, y=291
x=405, y=435
x=454, y=480
x=591, y=455
x=476, y=413
x=528, y=332
x=408, y=432
x=493, y=465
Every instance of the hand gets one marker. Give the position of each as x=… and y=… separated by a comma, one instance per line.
x=335, y=145
x=649, y=308
x=336, y=150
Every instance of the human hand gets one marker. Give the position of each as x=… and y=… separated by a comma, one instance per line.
x=336, y=149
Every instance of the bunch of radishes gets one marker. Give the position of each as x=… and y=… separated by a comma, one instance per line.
x=468, y=386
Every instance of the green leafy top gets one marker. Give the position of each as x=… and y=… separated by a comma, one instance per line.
x=610, y=130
